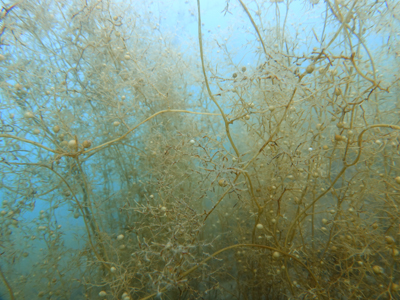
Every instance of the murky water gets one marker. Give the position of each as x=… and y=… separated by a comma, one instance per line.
x=215, y=150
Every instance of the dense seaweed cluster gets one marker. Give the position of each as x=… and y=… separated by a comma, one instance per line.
x=257, y=160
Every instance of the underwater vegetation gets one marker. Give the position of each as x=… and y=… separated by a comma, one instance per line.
x=148, y=152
